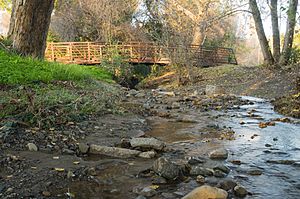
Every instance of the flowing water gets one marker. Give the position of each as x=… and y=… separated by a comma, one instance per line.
x=274, y=150
x=283, y=141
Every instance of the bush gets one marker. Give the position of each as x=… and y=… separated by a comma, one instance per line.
x=45, y=105
x=295, y=55
x=125, y=74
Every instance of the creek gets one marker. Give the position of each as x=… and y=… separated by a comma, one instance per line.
x=268, y=158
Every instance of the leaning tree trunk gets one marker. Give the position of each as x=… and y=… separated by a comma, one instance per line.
x=32, y=19
x=275, y=29
x=264, y=45
x=289, y=34
x=199, y=34
x=12, y=20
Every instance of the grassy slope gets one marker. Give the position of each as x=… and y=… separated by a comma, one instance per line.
x=19, y=70
x=40, y=93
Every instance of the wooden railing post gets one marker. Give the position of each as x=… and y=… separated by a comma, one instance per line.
x=52, y=52
x=100, y=53
x=89, y=51
x=71, y=51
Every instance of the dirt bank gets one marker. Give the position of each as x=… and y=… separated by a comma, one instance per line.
x=279, y=84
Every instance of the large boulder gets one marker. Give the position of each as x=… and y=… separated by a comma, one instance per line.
x=198, y=170
x=206, y=192
x=219, y=154
x=166, y=168
x=113, y=151
x=152, y=143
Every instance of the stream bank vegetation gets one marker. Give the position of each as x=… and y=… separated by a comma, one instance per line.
x=43, y=94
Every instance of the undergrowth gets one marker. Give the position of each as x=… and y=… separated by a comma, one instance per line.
x=43, y=94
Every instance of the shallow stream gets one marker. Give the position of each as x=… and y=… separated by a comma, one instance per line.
x=274, y=151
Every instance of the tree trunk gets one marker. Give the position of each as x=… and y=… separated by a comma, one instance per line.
x=289, y=34
x=32, y=19
x=197, y=37
x=264, y=45
x=12, y=20
x=199, y=34
x=275, y=29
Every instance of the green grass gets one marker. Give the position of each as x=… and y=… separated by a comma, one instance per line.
x=43, y=94
x=19, y=70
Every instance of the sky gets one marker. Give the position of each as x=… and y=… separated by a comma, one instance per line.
x=3, y=23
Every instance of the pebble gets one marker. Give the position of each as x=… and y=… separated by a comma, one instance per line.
x=158, y=180
x=200, y=179
x=197, y=170
x=9, y=190
x=236, y=162
x=226, y=184
x=46, y=193
x=92, y=171
x=148, y=154
x=83, y=148
x=168, y=195
x=240, y=191
x=196, y=160
x=179, y=193
x=255, y=172
x=148, y=192
x=222, y=168
x=68, y=151
x=141, y=197
x=32, y=147
x=219, y=174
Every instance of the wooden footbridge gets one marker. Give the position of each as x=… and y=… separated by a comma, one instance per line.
x=134, y=52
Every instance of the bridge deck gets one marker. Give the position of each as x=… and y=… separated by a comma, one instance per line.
x=146, y=53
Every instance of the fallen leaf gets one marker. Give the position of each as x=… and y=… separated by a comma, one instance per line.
x=154, y=187
x=262, y=125
x=59, y=169
x=70, y=123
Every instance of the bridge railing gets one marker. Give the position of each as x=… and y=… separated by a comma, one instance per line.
x=135, y=52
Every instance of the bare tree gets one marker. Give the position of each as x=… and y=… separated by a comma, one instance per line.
x=96, y=20
x=268, y=57
x=289, y=35
x=275, y=30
